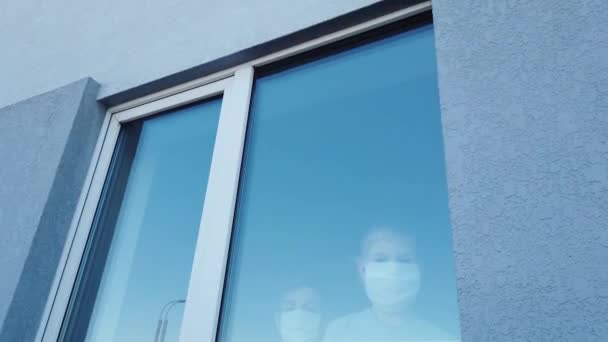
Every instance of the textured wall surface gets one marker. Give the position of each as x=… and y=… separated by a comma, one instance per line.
x=46, y=144
x=524, y=96
x=524, y=92
x=123, y=44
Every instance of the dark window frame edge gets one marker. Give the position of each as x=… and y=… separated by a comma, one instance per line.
x=350, y=19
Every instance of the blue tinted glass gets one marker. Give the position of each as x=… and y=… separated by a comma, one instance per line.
x=147, y=260
x=342, y=230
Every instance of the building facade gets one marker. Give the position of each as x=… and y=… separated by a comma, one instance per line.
x=521, y=95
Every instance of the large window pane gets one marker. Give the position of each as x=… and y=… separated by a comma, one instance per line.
x=140, y=253
x=342, y=230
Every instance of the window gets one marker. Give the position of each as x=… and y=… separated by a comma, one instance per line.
x=342, y=230
x=142, y=245
x=136, y=250
x=317, y=212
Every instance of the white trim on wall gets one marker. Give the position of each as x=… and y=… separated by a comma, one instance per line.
x=48, y=324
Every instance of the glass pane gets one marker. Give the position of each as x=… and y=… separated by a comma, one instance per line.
x=342, y=230
x=140, y=255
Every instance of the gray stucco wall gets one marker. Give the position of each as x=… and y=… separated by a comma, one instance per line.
x=46, y=144
x=123, y=44
x=524, y=97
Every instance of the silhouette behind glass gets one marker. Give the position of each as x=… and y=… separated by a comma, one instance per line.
x=391, y=276
x=299, y=316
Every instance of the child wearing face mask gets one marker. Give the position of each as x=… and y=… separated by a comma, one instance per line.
x=299, y=318
x=390, y=275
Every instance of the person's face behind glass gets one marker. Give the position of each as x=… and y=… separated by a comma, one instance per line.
x=299, y=317
x=389, y=270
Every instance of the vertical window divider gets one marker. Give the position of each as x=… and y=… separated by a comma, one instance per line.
x=202, y=307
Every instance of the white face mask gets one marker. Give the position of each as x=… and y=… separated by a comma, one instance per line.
x=299, y=325
x=390, y=283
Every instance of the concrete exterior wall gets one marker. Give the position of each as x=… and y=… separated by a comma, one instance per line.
x=524, y=98
x=525, y=112
x=46, y=144
x=123, y=44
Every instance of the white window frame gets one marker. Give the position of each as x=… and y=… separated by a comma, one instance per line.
x=202, y=307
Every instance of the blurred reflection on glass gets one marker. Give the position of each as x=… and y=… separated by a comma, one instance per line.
x=299, y=316
x=334, y=148
x=391, y=277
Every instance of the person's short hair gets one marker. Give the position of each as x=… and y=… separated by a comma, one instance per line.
x=382, y=233
x=299, y=287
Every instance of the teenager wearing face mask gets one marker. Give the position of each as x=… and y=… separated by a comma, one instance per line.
x=299, y=317
x=390, y=274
